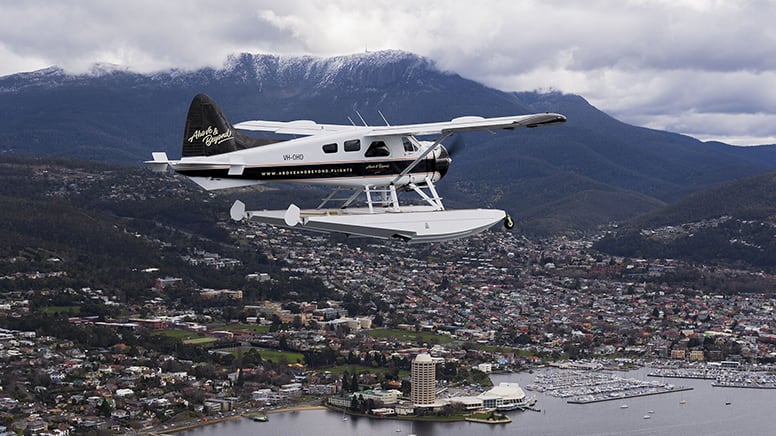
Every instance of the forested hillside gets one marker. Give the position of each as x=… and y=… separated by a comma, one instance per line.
x=82, y=223
x=734, y=224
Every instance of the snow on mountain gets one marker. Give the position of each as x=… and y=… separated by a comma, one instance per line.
x=370, y=69
x=375, y=68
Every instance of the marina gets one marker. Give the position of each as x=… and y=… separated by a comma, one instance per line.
x=583, y=387
x=614, y=396
x=721, y=376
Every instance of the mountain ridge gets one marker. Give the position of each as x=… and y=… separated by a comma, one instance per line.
x=732, y=224
x=118, y=116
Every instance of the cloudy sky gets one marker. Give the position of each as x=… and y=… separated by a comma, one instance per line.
x=706, y=68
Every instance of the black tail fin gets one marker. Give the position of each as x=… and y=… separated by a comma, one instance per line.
x=208, y=132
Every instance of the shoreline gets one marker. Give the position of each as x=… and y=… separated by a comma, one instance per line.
x=311, y=407
x=296, y=408
x=201, y=423
x=455, y=418
x=507, y=420
x=195, y=425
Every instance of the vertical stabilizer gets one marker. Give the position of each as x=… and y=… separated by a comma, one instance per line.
x=209, y=133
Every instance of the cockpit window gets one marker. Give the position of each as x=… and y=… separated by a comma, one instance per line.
x=377, y=149
x=330, y=148
x=409, y=145
x=353, y=145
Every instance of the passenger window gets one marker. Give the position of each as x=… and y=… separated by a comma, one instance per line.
x=409, y=146
x=330, y=148
x=377, y=149
x=353, y=145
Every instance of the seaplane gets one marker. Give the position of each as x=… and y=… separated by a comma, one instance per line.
x=365, y=167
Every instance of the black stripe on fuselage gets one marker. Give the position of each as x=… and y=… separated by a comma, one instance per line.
x=313, y=171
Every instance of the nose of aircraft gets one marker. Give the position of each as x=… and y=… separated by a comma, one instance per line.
x=442, y=161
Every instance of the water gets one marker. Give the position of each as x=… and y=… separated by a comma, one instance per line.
x=750, y=412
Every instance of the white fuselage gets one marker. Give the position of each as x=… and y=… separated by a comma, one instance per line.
x=347, y=159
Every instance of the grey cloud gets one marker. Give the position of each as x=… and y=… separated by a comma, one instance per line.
x=673, y=63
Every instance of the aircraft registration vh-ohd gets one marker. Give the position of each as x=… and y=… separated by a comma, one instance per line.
x=378, y=162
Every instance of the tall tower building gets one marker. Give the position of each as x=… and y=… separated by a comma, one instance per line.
x=423, y=375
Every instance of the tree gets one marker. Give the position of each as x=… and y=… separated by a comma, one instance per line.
x=276, y=323
x=251, y=357
x=406, y=387
x=354, y=383
x=105, y=408
x=450, y=370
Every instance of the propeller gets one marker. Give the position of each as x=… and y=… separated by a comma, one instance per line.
x=456, y=145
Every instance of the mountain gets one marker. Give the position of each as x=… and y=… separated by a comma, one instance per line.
x=733, y=223
x=542, y=176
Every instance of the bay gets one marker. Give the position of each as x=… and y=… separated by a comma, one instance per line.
x=705, y=410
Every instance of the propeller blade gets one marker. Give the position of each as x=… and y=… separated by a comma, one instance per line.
x=456, y=145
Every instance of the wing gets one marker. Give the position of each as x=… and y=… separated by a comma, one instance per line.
x=465, y=124
x=298, y=127
x=462, y=124
x=470, y=124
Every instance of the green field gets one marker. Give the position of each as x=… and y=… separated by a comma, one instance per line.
x=178, y=334
x=276, y=356
x=352, y=369
x=51, y=310
x=409, y=336
x=252, y=327
x=199, y=341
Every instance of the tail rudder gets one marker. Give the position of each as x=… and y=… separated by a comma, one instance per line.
x=209, y=133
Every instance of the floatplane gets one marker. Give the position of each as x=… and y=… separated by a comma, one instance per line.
x=371, y=165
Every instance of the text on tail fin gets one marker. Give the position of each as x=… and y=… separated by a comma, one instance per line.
x=209, y=133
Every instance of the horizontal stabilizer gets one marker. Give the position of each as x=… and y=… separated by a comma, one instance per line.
x=159, y=163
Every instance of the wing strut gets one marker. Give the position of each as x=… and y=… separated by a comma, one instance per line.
x=345, y=201
x=434, y=200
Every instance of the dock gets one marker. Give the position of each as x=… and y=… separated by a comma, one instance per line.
x=721, y=377
x=584, y=387
x=599, y=399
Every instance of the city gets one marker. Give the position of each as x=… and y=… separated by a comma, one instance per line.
x=491, y=303
x=625, y=284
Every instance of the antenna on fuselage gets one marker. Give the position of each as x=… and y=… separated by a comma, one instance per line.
x=351, y=121
x=362, y=119
x=383, y=117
